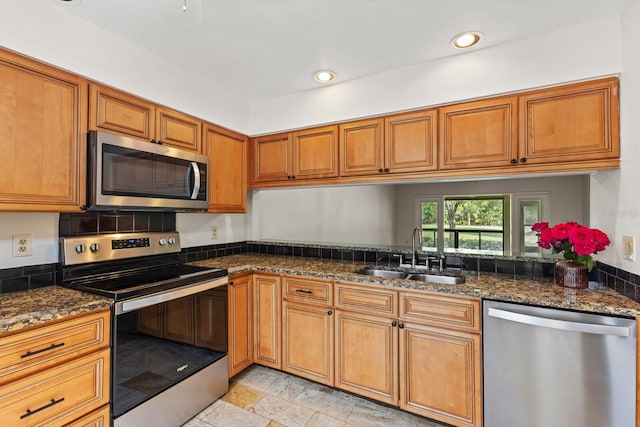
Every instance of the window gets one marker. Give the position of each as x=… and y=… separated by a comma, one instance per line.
x=529, y=209
x=472, y=223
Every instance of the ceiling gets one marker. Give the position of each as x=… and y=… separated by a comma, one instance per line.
x=257, y=49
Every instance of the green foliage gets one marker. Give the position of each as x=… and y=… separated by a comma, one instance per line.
x=474, y=212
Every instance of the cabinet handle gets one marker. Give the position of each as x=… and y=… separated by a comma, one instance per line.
x=401, y=326
x=42, y=350
x=48, y=405
x=304, y=291
x=523, y=160
x=514, y=161
x=394, y=324
x=159, y=142
x=329, y=312
x=230, y=283
x=380, y=170
x=153, y=141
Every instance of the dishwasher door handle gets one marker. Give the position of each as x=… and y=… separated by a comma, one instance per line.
x=565, y=325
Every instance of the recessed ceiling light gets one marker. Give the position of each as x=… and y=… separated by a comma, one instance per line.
x=465, y=40
x=324, y=76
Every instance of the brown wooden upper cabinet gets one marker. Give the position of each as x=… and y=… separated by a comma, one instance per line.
x=113, y=110
x=396, y=144
x=307, y=154
x=42, y=136
x=479, y=134
x=569, y=123
x=227, y=153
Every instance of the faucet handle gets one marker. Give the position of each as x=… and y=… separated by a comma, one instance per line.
x=398, y=256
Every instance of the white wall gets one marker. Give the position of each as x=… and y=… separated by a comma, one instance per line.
x=569, y=198
x=196, y=229
x=356, y=214
x=615, y=199
x=576, y=53
x=44, y=229
x=40, y=29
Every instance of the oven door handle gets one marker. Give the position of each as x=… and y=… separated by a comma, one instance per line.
x=171, y=294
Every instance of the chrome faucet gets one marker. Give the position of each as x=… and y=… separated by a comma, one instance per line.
x=414, y=254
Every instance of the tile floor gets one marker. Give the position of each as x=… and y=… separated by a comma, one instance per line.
x=263, y=397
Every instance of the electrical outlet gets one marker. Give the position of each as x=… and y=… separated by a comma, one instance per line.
x=22, y=245
x=629, y=248
x=214, y=232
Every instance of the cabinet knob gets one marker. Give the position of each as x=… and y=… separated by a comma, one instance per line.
x=153, y=141
x=329, y=312
x=394, y=324
x=289, y=177
x=230, y=283
x=380, y=170
x=293, y=177
x=401, y=326
x=523, y=160
x=514, y=161
x=159, y=142
x=386, y=170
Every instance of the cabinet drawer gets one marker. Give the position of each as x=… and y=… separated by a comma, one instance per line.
x=24, y=353
x=58, y=395
x=447, y=311
x=307, y=290
x=98, y=418
x=367, y=299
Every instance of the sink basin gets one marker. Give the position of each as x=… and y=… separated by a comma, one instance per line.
x=384, y=273
x=437, y=278
x=444, y=279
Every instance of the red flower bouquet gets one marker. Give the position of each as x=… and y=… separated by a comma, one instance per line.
x=576, y=242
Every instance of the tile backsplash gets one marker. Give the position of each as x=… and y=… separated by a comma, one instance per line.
x=78, y=224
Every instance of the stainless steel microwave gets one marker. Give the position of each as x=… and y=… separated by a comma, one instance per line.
x=130, y=174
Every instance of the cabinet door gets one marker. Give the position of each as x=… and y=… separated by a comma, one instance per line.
x=240, y=324
x=267, y=335
x=410, y=142
x=366, y=356
x=307, y=341
x=441, y=374
x=479, y=134
x=43, y=123
x=110, y=109
x=571, y=123
x=227, y=153
x=178, y=129
x=315, y=153
x=178, y=320
x=271, y=158
x=362, y=148
x=211, y=317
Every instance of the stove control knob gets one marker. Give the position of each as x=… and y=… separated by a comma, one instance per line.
x=80, y=248
x=163, y=242
x=94, y=247
x=172, y=240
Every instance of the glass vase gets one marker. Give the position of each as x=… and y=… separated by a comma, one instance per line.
x=572, y=274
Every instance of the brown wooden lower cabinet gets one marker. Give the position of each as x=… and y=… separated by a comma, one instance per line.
x=366, y=355
x=267, y=332
x=440, y=374
x=99, y=418
x=307, y=341
x=240, y=324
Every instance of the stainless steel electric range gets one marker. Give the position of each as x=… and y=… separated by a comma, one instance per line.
x=169, y=324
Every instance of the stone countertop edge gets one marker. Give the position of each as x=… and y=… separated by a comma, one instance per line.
x=24, y=309
x=498, y=287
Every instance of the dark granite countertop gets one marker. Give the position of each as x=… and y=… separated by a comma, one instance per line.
x=544, y=293
x=22, y=309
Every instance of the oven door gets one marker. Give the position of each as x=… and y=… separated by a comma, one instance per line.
x=169, y=354
x=125, y=173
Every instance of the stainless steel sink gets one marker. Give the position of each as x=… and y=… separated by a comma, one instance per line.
x=391, y=274
x=444, y=279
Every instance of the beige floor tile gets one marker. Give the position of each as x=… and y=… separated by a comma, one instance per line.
x=321, y=420
x=196, y=422
x=242, y=396
x=258, y=378
x=228, y=415
x=282, y=411
x=325, y=401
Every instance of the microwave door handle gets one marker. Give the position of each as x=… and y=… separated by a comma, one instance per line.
x=193, y=168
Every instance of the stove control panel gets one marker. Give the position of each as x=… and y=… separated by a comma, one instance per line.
x=106, y=247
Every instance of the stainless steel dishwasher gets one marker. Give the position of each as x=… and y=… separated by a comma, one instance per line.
x=554, y=368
